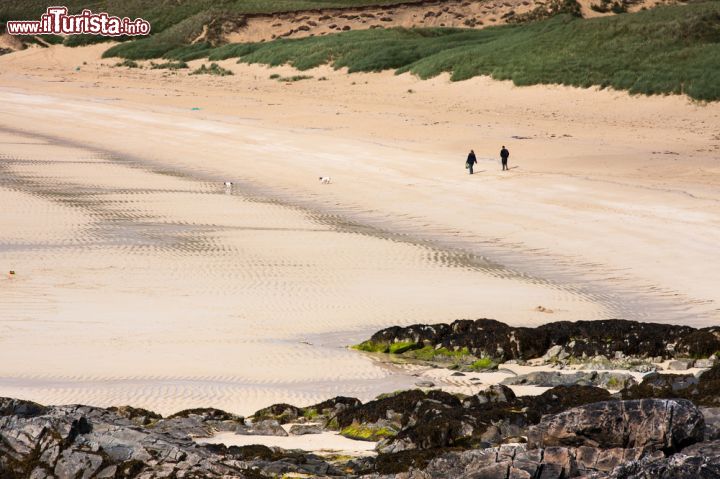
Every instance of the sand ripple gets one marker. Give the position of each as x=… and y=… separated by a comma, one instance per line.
x=161, y=289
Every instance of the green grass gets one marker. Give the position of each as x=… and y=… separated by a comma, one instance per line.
x=169, y=66
x=554, y=7
x=401, y=347
x=429, y=353
x=665, y=50
x=483, y=364
x=310, y=414
x=613, y=383
x=213, y=69
x=174, y=38
x=294, y=78
x=372, y=347
x=414, y=350
x=426, y=353
x=81, y=40
x=390, y=394
x=128, y=64
x=366, y=433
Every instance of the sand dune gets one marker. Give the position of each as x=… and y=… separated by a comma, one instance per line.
x=142, y=280
x=428, y=14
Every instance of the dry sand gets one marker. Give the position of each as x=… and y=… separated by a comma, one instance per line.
x=141, y=280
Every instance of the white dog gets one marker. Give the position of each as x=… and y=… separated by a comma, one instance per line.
x=228, y=184
x=325, y=180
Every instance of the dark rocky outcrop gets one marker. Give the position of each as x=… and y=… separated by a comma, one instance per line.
x=561, y=398
x=604, y=379
x=87, y=442
x=570, y=434
x=303, y=429
x=332, y=406
x=487, y=338
x=20, y=408
x=700, y=343
x=415, y=420
x=519, y=462
x=666, y=425
x=699, y=461
x=611, y=439
x=139, y=416
x=266, y=427
x=194, y=423
x=396, y=407
x=80, y=441
x=703, y=390
x=322, y=412
x=571, y=431
x=282, y=413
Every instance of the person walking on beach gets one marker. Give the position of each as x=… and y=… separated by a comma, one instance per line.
x=504, y=155
x=471, y=160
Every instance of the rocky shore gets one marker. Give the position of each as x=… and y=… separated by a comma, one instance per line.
x=646, y=430
x=663, y=426
x=605, y=344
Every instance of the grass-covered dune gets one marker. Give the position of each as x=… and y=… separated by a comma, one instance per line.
x=666, y=50
x=173, y=21
x=164, y=13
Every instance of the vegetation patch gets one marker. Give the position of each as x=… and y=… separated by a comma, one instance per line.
x=188, y=53
x=128, y=64
x=554, y=7
x=613, y=383
x=80, y=40
x=363, y=432
x=310, y=414
x=389, y=395
x=333, y=424
x=483, y=364
x=168, y=65
x=614, y=6
x=293, y=78
x=430, y=353
x=372, y=347
x=401, y=347
x=213, y=69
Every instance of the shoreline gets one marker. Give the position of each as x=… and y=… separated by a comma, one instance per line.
x=561, y=431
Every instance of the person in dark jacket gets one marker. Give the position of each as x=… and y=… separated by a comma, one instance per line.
x=504, y=155
x=471, y=160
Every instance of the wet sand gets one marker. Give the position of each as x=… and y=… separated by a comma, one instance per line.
x=166, y=291
x=142, y=280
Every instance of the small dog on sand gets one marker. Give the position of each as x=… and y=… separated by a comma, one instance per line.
x=325, y=180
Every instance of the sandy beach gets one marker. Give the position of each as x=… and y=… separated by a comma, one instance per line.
x=141, y=279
